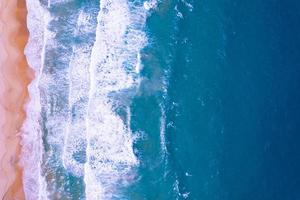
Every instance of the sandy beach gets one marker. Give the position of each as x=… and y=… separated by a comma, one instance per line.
x=15, y=76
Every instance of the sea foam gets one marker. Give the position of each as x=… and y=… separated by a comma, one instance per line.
x=115, y=66
x=34, y=183
x=89, y=138
x=75, y=136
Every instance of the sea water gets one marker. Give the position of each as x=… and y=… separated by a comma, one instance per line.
x=159, y=100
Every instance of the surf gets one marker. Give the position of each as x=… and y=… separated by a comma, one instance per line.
x=73, y=129
x=115, y=66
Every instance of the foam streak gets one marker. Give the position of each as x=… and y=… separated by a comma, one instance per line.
x=115, y=66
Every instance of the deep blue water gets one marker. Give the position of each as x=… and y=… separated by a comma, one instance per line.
x=233, y=101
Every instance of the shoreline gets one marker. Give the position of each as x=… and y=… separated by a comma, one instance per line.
x=15, y=77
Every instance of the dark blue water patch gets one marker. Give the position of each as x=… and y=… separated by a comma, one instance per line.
x=150, y=182
x=234, y=101
x=194, y=109
x=268, y=80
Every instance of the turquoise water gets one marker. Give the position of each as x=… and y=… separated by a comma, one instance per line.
x=149, y=100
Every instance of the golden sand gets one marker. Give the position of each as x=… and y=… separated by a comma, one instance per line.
x=15, y=76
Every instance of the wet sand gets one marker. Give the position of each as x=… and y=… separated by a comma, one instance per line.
x=14, y=79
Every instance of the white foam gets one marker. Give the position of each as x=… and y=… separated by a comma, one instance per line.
x=138, y=64
x=115, y=66
x=34, y=183
x=75, y=141
x=84, y=23
x=151, y=4
x=178, y=13
x=177, y=190
x=188, y=5
x=128, y=117
x=75, y=136
x=163, y=132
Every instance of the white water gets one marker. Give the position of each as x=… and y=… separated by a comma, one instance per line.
x=163, y=144
x=114, y=67
x=95, y=73
x=34, y=183
x=75, y=136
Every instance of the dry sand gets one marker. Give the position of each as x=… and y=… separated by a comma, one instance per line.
x=14, y=79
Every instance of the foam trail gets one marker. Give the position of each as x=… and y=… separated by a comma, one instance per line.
x=163, y=145
x=54, y=87
x=113, y=68
x=150, y=4
x=75, y=141
x=128, y=116
x=34, y=183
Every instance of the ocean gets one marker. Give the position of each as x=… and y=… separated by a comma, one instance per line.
x=162, y=100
